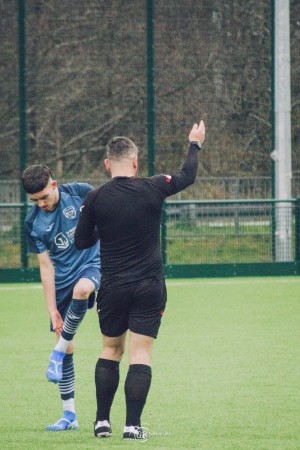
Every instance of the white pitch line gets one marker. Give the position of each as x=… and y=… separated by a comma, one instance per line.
x=19, y=288
x=232, y=281
x=184, y=283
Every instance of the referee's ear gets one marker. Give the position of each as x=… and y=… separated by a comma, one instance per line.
x=135, y=162
x=107, y=165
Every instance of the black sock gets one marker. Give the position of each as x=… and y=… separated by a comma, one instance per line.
x=107, y=381
x=137, y=386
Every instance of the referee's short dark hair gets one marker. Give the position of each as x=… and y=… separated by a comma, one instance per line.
x=35, y=178
x=121, y=147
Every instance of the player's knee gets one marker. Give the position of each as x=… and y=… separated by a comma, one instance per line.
x=117, y=352
x=113, y=352
x=81, y=291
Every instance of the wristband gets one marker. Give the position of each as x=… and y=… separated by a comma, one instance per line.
x=197, y=143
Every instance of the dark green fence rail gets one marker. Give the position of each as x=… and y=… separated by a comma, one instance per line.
x=199, y=239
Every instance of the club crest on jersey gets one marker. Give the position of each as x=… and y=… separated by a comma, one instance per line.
x=168, y=178
x=69, y=212
x=61, y=241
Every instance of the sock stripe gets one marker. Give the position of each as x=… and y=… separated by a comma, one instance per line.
x=75, y=314
x=67, y=384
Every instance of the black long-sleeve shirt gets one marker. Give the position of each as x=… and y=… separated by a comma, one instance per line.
x=126, y=212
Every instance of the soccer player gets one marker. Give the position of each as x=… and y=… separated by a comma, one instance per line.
x=127, y=214
x=69, y=277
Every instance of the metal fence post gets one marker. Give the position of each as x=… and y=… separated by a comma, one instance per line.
x=150, y=89
x=297, y=230
x=282, y=126
x=164, y=234
x=22, y=124
x=273, y=216
x=273, y=136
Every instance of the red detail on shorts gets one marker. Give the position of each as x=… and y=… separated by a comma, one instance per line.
x=168, y=178
x=161, y=313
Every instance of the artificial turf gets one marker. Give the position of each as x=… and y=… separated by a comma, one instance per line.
x=225, y=370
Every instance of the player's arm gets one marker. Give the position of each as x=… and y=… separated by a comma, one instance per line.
x=196, y=139
x=86, y=234
x=188, y=173
x=48, y=280
x=178, y=181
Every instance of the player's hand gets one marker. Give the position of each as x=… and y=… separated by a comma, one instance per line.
x=197, y=133
x=57, y=322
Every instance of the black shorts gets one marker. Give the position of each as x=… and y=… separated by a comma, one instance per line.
x=138, y=308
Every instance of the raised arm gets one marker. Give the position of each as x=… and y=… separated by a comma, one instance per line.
x=177, y=181
x=188, y=173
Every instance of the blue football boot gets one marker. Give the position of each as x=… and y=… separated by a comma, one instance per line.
x=67, y=422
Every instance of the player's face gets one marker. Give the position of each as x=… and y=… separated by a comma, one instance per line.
x=47, y=198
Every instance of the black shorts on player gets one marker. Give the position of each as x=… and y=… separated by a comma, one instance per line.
x=138, y=308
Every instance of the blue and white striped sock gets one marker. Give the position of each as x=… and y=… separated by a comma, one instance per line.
x=67, y=384
x=75, y=314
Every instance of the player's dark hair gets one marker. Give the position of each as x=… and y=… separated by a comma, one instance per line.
x=120, y=147
x=35, y=178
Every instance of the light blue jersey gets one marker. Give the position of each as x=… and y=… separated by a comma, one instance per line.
x=54, y=231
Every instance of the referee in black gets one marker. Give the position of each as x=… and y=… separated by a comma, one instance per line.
x=125, y=214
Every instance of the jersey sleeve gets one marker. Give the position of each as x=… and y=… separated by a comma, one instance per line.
x=86, y=234
x=177, y=181
x=83, y=189
x=80, y=189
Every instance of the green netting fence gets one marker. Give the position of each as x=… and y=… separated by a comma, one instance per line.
x=96, y=69
x=201, y=238
x=73, y=74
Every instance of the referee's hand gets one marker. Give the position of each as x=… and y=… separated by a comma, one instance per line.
x=197, y=133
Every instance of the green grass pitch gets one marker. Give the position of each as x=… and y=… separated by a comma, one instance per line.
x=226, y=370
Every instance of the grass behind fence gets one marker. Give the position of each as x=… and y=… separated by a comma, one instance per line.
x=192, y=244
x=227, y=242
x=225, y=370
x=192, y=234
